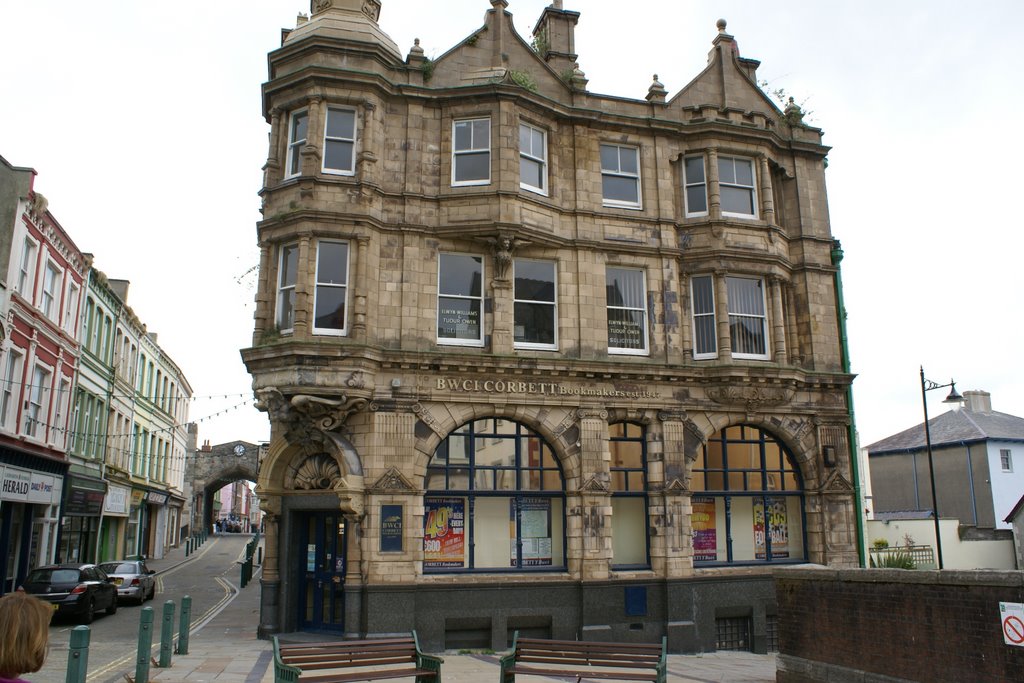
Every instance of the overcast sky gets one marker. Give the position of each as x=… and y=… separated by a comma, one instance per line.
x=143, y=121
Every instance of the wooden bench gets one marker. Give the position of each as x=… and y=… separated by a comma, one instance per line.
x=354, y=660
x=583, y=660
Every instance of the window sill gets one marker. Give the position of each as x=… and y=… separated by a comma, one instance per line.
x=628, y=207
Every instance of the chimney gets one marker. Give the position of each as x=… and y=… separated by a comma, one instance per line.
x=206, y=446
x=554, y=37
x=978, y=401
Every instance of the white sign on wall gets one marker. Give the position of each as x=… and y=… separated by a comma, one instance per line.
x=1011, y=616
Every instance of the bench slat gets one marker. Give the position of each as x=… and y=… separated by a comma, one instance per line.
x=368, y=675
x=584, y=673
x=353, y=660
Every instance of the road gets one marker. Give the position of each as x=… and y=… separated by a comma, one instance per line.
x=210, y=578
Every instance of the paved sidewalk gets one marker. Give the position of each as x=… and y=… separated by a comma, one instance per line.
x=226, y=650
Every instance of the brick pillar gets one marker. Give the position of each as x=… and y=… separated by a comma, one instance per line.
x=778, y=322
x=595, y=496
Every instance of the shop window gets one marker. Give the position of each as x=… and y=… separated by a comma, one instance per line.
x=495, y=501
x=460, y=299
x=286, y=277
x=331, y=288
x=471, y=152
x=627, y=310
x=628, y=449
x=536, y=317
x=748, y=502
x=340, y=141
x=298, y=129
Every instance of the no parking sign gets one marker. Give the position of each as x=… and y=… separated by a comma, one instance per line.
x=1011, y=616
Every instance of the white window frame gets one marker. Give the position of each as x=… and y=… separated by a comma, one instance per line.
x=694, y=315
x=332, y=285
x=449, y=341
x=27, y=268
x=619, y=173
x=339, y=139
x=49, y=304
x=619, y=350
x=38, y=401
x=688, y=184
x=530, y=155
x=293, y=159
x=1006, y=460
x=10, y=393
x=752, y=188
x=553, y=346
x=71, y=298
x=763, y=317
x=474, y=149
x=58, y=435
x=282, y=288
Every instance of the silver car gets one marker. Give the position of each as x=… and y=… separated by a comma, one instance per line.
x=134, y=580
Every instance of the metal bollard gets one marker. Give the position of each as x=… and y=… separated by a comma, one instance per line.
x=166, y=634
x=145, y=645
x=188, y=546
x=78, y=655
x=259, y=556
x=185, y=625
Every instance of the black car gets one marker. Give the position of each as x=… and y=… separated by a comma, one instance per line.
x=78, y=589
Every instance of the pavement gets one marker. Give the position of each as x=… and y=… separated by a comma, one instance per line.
x=226, y=650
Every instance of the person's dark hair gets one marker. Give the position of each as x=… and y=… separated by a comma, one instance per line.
x=24, y=631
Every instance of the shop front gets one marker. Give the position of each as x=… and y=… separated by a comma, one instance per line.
x=29, y=511
x=115, y=516
x=80, y=519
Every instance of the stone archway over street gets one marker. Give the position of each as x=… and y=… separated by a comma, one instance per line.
x=212, y=468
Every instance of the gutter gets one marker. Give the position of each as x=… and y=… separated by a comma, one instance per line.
x=851, y=436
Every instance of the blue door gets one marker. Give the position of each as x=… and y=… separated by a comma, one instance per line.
x=322, y=558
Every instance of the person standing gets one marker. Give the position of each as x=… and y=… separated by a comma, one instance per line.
x=24, y=631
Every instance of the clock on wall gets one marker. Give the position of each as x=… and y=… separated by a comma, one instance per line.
x=239, y=450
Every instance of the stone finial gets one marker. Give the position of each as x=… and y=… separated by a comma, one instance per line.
x=579, y=79
x=301, y=19
x=793, y=113
x=721, y=24
x=415, y=51
x=657, y=92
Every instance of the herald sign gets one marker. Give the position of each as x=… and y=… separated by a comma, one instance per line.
x=1011, y=617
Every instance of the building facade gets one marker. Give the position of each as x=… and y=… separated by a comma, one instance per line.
x=540, y=359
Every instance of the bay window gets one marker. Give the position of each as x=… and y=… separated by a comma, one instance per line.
x=748, y=324
x=695, y=193
x=705, y=339
x=340, y=141
x=286, y=277
x=298, y=129
x=533, y=156
x=331, y=288
x=620, y=176
x=471, y=152
x=460, y=299
x=627, y=310
x=736, y=186
x=535, y=312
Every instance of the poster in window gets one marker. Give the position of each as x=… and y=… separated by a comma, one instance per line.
x=776, y=525
x=625, y=329
x=702, y=522
x=535, y=524
x=444, y=532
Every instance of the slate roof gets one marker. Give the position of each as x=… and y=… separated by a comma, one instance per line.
x=954, y=427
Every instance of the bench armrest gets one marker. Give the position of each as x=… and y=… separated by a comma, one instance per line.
x=284, y=673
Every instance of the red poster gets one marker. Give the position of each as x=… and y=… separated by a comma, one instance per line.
x=702, y=522
x=444, y=532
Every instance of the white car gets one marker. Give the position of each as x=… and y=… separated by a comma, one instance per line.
x=134, y=580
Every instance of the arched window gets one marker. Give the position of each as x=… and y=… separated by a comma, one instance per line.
x=495, y=500
x=748, y=502
x=628, y=449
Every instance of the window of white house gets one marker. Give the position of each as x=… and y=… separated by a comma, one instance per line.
x=51, y=284
x=627, y=310
x=340, y=141
x=620, y=176
x=10, y=390
x=331, y=288
x=747, y=505
x=535, y=316
x=27, y=269
x=748, y=325
x=533, y=159
x=471, y=152
x=1005, y=460
x=736, y=187
x=38, y=402
x=705, y=339
x=298, y=129
x=286, y=275
x=70, y=307
x=696, y=186
x=628, y=468
x=495, y=500
x=58, y=435
x=460, y=299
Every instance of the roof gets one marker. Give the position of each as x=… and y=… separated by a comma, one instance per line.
x=954, y=427
x=1013, y=513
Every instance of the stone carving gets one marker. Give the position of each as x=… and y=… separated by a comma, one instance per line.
x=318, y=473
x=356, y=380
x=425, y=416
x=672, y=415
x=752, y=397
x=675, y=486
x=502, y=247
x=371, y=8
x=307, y=418
x=837, y=483
x=594, y=485
x=592, y=414
x=392, y=481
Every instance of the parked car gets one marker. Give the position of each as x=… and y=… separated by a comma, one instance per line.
x=134, y=580
x=78, y=589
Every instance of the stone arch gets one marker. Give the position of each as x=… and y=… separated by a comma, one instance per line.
x=333, y=466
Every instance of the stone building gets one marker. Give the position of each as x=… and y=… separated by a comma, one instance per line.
x=540, y=359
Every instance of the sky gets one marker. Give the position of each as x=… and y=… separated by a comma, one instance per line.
x=144, y=123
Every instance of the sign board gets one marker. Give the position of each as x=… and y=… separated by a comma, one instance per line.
x=391, y=523
x=1011, y=617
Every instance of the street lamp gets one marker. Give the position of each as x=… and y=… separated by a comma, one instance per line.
x=954, y=397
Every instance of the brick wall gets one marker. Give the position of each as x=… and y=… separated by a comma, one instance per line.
x=896, y=625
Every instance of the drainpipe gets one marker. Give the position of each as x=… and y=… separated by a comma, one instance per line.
x=851, y=436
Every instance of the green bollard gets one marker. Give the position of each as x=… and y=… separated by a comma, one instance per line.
x=78, y=655
x=188, y=546
x=145, y=645
x=166, y=635
x=185, y=625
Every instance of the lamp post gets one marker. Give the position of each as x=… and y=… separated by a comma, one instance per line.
x=954, y=397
